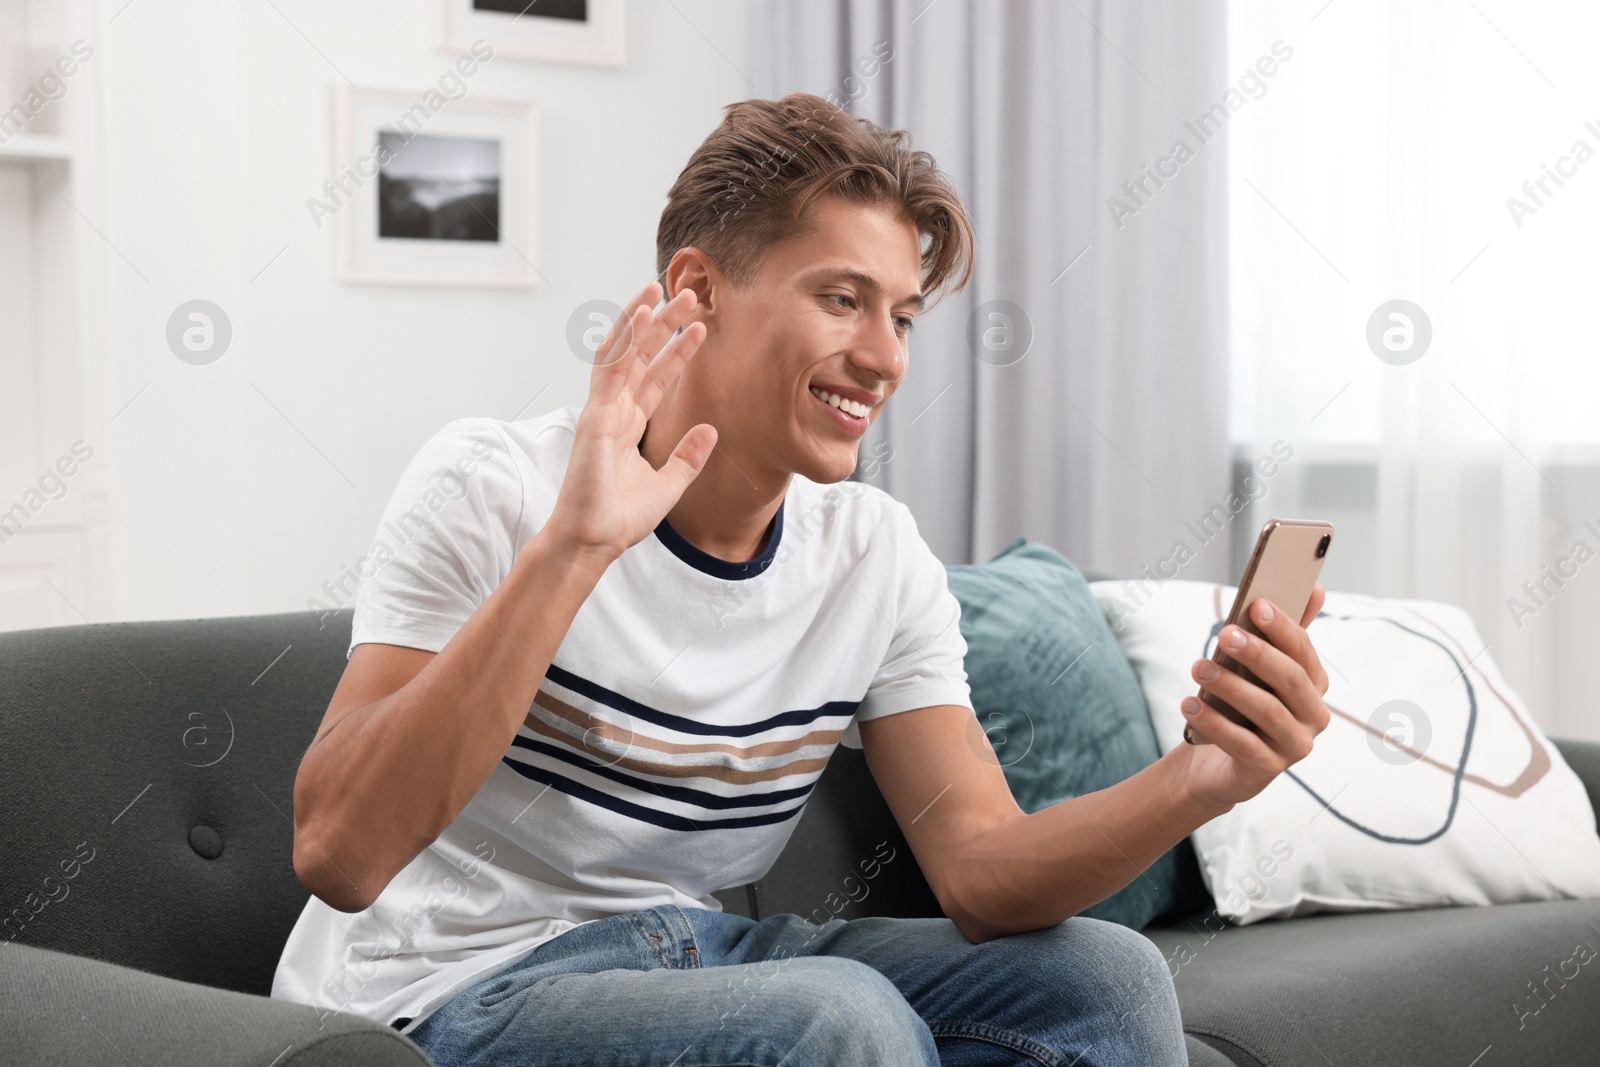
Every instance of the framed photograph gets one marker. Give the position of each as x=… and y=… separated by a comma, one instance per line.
x=435, y=197
x=564, y=31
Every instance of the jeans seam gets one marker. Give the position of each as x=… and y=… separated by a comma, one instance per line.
x=650, y=940
x=694, y=945
x=999, y=1036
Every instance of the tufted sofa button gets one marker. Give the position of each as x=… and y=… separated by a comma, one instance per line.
x=206, y=841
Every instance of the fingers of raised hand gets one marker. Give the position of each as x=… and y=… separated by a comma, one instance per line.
x=642, y=328
x=667, y=365
x=611, y=359
x=621, y=330
x=664, y=323
x=675, y=312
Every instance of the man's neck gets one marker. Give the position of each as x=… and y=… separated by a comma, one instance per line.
x=726, y=511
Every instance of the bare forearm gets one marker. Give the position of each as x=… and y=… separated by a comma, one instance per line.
x=389, y=777
x=1040, y=868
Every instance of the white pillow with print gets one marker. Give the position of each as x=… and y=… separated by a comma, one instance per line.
x=1431, y=786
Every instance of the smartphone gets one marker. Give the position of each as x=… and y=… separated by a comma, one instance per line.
x=1283, y=568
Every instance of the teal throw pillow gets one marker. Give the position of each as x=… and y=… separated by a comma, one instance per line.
x=1061, y=705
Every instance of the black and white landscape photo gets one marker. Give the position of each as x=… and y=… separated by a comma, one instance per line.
x=439, y=188
x=576, y=10
x=560, y=31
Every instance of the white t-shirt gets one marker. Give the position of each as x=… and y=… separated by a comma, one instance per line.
x=672, y=746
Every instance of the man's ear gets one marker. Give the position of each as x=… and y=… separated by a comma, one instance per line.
x=692, y=269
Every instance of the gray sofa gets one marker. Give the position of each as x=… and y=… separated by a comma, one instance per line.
x=148, y=768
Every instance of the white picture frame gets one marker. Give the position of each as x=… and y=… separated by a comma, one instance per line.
x=600, y=38
x=390, y=148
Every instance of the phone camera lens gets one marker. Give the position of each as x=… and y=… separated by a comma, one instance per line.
x=1322, y=545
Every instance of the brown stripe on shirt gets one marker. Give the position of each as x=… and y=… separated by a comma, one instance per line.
x=640, y=746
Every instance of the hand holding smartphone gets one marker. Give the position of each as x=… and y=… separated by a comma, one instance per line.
x=1283, y=568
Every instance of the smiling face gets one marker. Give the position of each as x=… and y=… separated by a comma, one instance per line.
x=797, y=364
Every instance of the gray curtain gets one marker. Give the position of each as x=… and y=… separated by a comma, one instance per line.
x=1109, y=432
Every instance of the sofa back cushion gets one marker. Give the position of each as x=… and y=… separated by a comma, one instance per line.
x=147, y=778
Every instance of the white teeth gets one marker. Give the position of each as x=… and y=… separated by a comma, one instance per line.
x=849, y=407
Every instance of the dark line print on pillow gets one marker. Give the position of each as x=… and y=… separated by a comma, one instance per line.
x=1461, y=763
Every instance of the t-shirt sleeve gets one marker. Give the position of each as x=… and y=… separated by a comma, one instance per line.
x=447, y=539
x=924, y=665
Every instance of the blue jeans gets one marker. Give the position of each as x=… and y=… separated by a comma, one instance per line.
x=696, y=988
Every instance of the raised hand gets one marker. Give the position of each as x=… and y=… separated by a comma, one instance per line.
x=611, y=497
x=1241, y=762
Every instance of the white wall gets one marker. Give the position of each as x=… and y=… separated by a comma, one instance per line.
x=216, y=130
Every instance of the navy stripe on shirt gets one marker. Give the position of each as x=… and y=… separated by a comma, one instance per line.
x=643, y=814
x=611, y=699
x=683, y=793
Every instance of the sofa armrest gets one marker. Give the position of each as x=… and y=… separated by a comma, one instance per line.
x=60, y=1008
x=1584, y=758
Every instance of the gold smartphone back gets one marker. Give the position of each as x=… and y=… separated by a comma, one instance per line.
x=1283, y=568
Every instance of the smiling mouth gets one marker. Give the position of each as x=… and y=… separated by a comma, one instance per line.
x=849, y=408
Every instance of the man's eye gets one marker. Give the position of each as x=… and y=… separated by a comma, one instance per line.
x=905, y=324
x=847, y=301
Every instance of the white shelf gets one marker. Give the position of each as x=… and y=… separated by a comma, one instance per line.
x=52, y=344
x=36, y=148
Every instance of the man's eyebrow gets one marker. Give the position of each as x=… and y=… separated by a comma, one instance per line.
x=861, y=279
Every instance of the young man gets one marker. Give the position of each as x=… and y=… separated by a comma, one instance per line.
x=600, y=677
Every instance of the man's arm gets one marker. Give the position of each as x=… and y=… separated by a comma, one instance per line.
x=410, y=736
x=997, y=870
